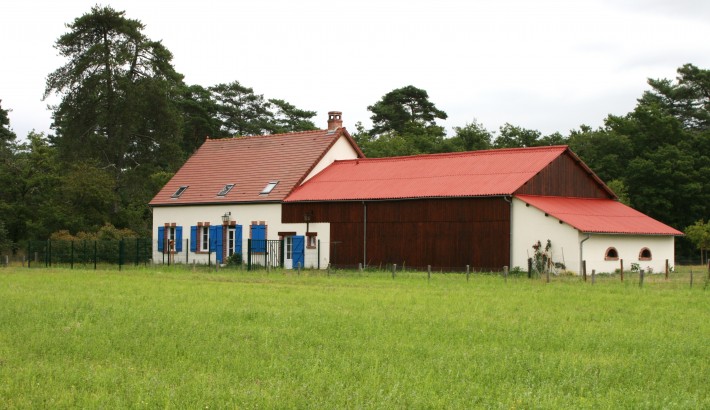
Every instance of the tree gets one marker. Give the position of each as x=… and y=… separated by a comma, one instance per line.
x=401, y=107
x=472, y=136
x=699, y=235
x=7, y=136
x=288, y=118
x=118, y=94
x=240, y=111
x=404, y=123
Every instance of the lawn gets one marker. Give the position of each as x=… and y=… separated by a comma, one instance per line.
x=173, y=338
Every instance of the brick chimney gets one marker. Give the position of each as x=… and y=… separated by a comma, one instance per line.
x=335, y=120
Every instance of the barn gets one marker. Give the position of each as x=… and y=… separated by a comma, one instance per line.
x=485, y=209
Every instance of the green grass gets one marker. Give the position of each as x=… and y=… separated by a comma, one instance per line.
x=173, y=338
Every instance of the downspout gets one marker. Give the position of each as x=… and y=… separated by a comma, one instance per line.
x=364, y=235
x=581, y=251
x=509, y=200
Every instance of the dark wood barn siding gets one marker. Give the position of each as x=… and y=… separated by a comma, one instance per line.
x=564, y=177
x=444, y=233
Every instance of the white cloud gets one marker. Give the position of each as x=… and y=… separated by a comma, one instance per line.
x=547, y=65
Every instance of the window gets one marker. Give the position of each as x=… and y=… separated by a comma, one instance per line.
x=311, y=240
x=645, y=254
x=269, y=187
x=611, y=254
x=170, y=238
x=205, y=238
x=289, y=247
x=179, y=191
x=225, y=190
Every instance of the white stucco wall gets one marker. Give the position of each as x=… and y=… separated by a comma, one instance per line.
x=187, y=216
x=628, y=248
x=342, y=149
x=530, y=225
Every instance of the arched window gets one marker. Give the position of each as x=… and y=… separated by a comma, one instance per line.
x=645, y=254
x=611, y=254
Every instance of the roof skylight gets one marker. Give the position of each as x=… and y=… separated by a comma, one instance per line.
x=269, y=187
x=179, y=191
x=225, y=190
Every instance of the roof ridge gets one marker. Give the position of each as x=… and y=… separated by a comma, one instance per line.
x=492, y=151
x=243, y=137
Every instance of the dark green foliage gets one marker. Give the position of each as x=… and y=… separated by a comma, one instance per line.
x=404, y=123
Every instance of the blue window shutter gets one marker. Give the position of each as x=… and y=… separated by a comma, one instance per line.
x=238, y=239
x=193, y=239
x=298, y=251
x=178, y=239
x=258, y=238
x=161, y=238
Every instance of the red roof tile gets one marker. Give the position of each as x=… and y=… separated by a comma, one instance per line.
x=475, y=173
x=249, y=163
x=592, y=215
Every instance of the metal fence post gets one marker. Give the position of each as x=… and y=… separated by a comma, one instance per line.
x=468, y=272
x=71, y=260
x=249, y=254
x=95, y=253
x=29, y=254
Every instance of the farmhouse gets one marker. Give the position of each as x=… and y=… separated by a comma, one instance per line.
x=311, y=199
x=228, y=196
x=485, y=209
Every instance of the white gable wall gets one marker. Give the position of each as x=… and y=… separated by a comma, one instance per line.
x=530, y=225
x=341, y=150
x=270, y=213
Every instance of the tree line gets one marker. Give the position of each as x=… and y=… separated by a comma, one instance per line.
x=126, y=121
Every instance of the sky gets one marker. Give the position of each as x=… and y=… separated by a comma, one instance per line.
x=548, y=65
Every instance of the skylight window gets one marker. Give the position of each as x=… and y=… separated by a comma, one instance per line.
x=269, y=187
x=225, y=190
x=179, y=191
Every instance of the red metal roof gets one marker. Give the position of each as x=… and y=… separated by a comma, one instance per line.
x=475, y=173
x=593, y=215
x=249, y=163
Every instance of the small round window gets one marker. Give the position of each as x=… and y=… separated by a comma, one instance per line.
x=645, y=254
x=611, y=254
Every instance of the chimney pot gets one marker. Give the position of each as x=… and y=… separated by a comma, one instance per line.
x=335, y=120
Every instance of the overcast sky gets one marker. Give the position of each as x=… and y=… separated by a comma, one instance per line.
x=546, y=65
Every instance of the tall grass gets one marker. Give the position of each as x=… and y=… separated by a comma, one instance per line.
x=177, y=339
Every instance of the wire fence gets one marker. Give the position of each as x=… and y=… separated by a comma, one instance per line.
x=89, y=253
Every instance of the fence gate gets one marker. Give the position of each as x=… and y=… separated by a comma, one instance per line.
x=263, y=252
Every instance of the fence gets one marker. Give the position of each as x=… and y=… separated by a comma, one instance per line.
x=88, y=253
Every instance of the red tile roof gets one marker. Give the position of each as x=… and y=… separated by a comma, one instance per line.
x=475, y=173
x=592, y=215
x=249, y=163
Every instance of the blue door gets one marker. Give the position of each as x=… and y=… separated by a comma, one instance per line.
x=298, y=251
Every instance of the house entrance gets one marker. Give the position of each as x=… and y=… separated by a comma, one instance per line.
x=294, y=255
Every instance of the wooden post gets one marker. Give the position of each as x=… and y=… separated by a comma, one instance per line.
x=329, y=270
x=394, y=268
x=547, y=276
x=641, y=272
x=621, y=261
x=584, y=270
x=691, y=278
x=667, y=269
x=359, y=267
x=428, y=272
x=529, y=268
x=298, y=265
x=468, y=272
x=593, y=275
x=505, y=273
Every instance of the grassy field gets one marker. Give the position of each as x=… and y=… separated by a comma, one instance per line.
x=147, y=338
